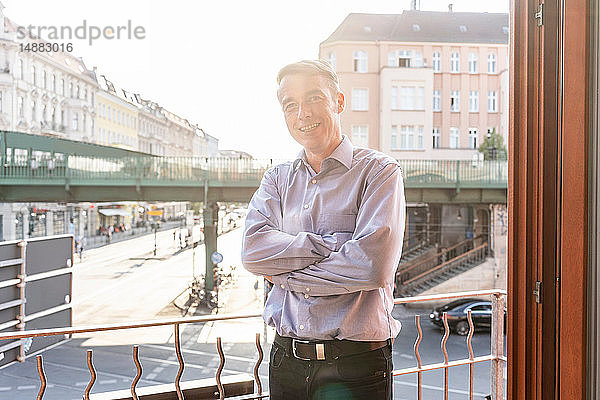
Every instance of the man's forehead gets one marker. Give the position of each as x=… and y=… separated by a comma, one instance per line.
x=301, y=85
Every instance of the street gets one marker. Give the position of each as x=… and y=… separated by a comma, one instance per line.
x=125, y=282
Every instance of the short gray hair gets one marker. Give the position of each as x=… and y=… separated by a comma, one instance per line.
x=311, y=67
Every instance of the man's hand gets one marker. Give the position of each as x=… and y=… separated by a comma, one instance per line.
x=269, y=278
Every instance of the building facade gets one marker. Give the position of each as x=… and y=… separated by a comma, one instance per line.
x=421, y=84
x=117, y=116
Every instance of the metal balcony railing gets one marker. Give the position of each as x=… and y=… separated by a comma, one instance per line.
x=495, y=356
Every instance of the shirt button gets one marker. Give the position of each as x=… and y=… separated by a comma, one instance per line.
x=314, y=181
x=308, y=289
x=306, y=296
x=305, y=206
x=301, y=327
x=283, y=287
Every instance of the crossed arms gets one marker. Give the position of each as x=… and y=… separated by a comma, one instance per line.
x=325, y=265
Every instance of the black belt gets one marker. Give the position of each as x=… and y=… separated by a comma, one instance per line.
x=325, y=349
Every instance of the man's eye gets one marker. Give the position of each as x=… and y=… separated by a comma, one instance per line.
x=313, y=99
x=290, y=106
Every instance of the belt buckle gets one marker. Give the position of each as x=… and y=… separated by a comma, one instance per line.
x=319, y=350
x=294, y=341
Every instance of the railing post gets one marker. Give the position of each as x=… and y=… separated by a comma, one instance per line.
x=457, y=175
x=497, y=373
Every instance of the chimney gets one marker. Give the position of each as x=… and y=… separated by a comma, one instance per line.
x=450, y=7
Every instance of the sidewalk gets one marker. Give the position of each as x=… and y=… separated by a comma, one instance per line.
x=96, y=241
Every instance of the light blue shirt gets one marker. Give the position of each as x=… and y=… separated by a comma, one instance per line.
x=332, y=242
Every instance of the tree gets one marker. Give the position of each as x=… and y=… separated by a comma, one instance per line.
x=493, y=147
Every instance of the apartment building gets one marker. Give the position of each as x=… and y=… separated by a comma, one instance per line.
x=422, y=84
x=116, y=116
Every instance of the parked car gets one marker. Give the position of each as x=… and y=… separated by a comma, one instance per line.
x=481, y=314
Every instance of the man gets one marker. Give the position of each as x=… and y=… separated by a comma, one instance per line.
x=327, y=230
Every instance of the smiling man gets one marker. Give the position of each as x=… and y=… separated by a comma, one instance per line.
x=327, y=230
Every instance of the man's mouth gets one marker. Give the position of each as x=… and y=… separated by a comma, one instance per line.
x=308, y=128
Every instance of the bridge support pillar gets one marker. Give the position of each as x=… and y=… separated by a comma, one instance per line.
x=210, y=215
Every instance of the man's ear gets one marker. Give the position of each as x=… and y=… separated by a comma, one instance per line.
x=341, y=102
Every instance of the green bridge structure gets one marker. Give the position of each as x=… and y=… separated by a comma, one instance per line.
x=50, y=169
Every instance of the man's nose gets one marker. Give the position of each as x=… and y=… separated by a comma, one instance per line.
x=304, y=111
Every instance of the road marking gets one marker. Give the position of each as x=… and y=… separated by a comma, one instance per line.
x=200, y=353
x=407, y=356
x=108, y=381
x=102, y=372
x=5, y=388
x=26, y=387
x=196, y=366
x=151, y=376
x=457, y=391
x=81, y=383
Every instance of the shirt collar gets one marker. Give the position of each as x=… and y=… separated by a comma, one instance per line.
x=343, y=153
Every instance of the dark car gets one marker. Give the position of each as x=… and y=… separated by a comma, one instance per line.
x=481, y=314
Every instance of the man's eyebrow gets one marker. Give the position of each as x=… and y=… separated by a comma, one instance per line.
x=315, y=91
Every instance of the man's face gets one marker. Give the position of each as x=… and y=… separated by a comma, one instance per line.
x=311, y=112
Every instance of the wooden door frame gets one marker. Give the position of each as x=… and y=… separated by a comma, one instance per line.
x=547, y=200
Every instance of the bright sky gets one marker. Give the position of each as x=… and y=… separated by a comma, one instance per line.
x=215, y=62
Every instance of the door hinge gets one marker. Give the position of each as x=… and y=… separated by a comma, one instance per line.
x=537, y=292
x=539, y=15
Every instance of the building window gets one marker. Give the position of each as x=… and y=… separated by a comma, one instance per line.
x=62, y=87
x=455, y=101
x=407, y=98
x=436, y=138
x=473, y=101
x=360, y=99
x=45, y=80
x=71, y=89
x=33, y=75
x=360, y=61
x=454, y=63
x=360, y=135
x=490, y=131
x=407, y=137
x=77, y=93
x=394, y=145
x=394, y=97
x=20, y=108
x=473, y=63
x=403, y=58
x=437, y=100
x=491, y=63
x=53, y=83
x=33, y=111
x=420, y=98
x=1, y=100
x=492, y=103
x=44, y=112
x=473, y=138
x=412, y=98
x=436, y=62
x=420, y=137
x=332, y=60
x=417, y=60
x=454, y=138
x=75, y=122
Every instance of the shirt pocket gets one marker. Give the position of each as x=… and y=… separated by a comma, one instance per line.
x=330, y=223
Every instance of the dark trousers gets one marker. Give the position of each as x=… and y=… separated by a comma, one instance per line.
x=361, y=376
